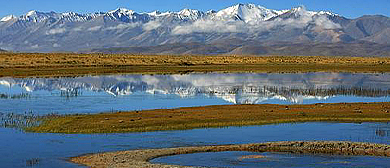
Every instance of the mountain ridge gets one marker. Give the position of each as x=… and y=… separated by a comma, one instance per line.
x=235, y=11
x=121, y=28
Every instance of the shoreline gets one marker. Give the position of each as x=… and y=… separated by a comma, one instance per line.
x=72, y=64
x=211, y=117
x=141, y=158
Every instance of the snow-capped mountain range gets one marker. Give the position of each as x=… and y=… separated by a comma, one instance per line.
x=241, y=23
x=244, y=12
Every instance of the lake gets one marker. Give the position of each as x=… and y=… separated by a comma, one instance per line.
x=108, y=93
x=93, y=94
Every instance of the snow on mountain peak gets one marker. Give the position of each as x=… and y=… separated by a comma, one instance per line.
x=247, y=13
x=36, y=16
x=301, y=10
x=126, y=15
x=31, y=13
x=155, y=13
x=72, y=16
x=298, y=9
x=8, y=18
x=122, y=11
x=211, y=12
x=190, y=13
x=327, y=13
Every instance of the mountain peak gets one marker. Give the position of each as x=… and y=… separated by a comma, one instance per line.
x=301, y=10
x=298, y=9
x=31, y=13
x=327, y=13
x=34, y=13
x=122, y=14
x=36, y=16
x=190, y=13
x=121, y=11
x=238, y=5
x=248, y=5
x=247, y=13
x=8, y=18
x=155, y=13
x=187, y=11
x=211, y=11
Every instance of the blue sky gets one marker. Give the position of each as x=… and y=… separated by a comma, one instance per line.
x=347, y=8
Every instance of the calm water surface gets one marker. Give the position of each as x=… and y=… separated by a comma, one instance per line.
x=94, y=94
x=235, y=160
x=18, y=148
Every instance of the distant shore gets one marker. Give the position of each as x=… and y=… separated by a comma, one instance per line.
x=213, y=116
x=69, y=64
x=141, y=158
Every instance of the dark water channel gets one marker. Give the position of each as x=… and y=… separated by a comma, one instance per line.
x=254, y=160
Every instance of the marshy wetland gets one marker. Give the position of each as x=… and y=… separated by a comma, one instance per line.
x=180, y=99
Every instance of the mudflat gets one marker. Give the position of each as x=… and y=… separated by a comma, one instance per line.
x=212, y=116
x=72, y=64
x=140, y=158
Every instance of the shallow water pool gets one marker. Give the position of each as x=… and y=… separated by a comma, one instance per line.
x=19, y=148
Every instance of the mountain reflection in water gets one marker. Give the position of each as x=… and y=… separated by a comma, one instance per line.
x=235, y=88
x=92, y=94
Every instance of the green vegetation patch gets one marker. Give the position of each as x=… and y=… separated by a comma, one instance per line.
x=213, y=116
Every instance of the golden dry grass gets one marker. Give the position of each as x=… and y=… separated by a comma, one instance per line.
x=70, y=64
x=214, y=116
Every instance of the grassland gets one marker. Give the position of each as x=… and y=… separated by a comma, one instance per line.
x=213, y=116
x=69, y=64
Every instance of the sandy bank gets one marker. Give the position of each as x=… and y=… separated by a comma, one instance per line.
x=140, y=158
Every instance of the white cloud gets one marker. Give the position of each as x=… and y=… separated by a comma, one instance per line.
x=325, y=23
x=95, y=28
x=151, y=25
x=305, y=19
x=34, y=46
x=56, y=31
x=123, y=26
x=56, y=45
x=78, y=29
x=209, y=26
